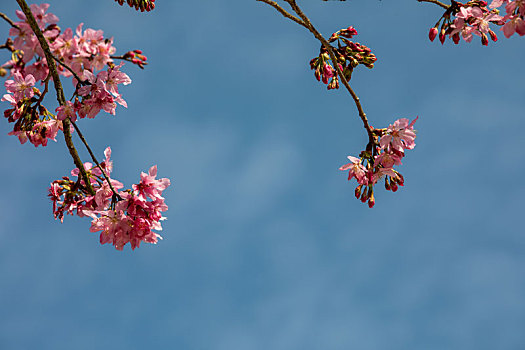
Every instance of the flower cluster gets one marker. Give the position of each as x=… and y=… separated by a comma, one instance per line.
x=349, y=55
x=127, y=216
x=474, y=18
x=32, y=121
x=142, y=5
x=378, y=160
x=515, y=17
x=85, y=56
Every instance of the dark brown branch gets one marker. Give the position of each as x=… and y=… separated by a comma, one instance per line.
x=371, y=136
x=439, y=3
x=46, y=86
x=284, y=12
x=95, y=159
x=9, y=20
x=60, y=92
x=80, y=81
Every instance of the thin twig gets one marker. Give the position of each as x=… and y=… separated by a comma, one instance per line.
x=60, y=92
x=371, y=136
x=439, y=3
x=80, y=81
x=284, y=12
x=9, y=20
x=43, y=94
x=124, y=58
x=95, y=159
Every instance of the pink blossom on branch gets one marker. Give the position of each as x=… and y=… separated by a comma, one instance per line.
x=130, y=216
x=475, y=18
x=21, y=86
x=378, y=161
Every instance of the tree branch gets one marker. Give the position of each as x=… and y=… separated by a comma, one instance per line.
x=9, y=20
x=60, y=92
x=284, y=12
x=371, y=136
x=79, y=80
x=95, y=159
x=439, y=3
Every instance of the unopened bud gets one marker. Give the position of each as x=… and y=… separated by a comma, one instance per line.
x=442, y=36
x=455, y=38
x=433, y=33
x=400, y=179
x=313, y=63
x=364, y=196
x=358, y=191
x=3, y=72
x=484, y=39
x=394, y=187
x=493, y=35
x=371, y=201
x=317, y=74
x=387, y=184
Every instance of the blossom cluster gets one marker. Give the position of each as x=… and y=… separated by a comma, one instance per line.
x=349, y=55
x=515, y=17
x=127, y=216
x=142, y=5
x=475, y=17
x=378, y=160
x=85, y=56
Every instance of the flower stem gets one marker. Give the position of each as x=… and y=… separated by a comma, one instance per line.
x=60, y=92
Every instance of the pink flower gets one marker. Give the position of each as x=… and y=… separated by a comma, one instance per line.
x=515, y=24
x=107, y=164
x=21, y=86
x=113, y=224
x=66, y=111
x=39, y=12
x=497, y=3
x=104, y=194
x=382, y=172
x=399, y=136
x=22, y=135
x=149, y=186
x=65, y=45
x=484, y=22
x=112, y=77
x=387, y=160
x=355, y=169
x=38, y=70
x=44, y=130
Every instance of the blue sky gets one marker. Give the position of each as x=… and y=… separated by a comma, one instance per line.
x=265, y=246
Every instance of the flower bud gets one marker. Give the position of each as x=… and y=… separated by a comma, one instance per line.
x=387, y=184
x=394, y=187
x=433, y=33
x=371, y=201
x=442, y=36
x=364, y=196
x=484, y=39
x=358, y=191
x=313, y=63
x=455, y=38
x=493, y=35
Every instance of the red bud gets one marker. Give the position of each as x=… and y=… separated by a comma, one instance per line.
x=433, y=33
